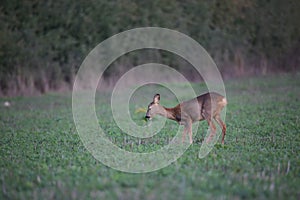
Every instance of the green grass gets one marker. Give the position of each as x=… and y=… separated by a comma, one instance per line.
x=42, y=156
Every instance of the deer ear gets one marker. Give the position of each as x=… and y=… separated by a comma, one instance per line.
x=156, y=98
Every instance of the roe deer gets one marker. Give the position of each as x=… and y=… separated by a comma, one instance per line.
x=205, y=107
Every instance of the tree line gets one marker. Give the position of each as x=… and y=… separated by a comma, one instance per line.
x=42, y=43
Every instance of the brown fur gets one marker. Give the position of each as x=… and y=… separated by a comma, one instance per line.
x=205, y=107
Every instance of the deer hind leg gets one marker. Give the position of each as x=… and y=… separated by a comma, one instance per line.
x=212, y=130
x=211, y=125
x=222, y=125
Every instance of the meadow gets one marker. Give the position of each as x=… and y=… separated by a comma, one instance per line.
x=42, y=156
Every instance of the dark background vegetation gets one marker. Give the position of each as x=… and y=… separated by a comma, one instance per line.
x=42, y=43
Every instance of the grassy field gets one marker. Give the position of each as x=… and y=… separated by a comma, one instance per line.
x=42, y=156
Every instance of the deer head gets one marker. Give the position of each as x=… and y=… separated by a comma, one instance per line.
x=154, y=108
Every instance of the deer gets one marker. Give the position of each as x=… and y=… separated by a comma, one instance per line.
x=207, y=107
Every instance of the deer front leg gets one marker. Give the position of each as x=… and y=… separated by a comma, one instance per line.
x=189, y=129
x=184, y=134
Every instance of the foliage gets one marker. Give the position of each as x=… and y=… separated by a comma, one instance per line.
x=43, y=42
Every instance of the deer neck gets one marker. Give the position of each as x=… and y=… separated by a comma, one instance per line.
x=171, y=113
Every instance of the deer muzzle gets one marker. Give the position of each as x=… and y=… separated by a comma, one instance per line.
x=147, y=117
